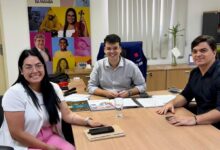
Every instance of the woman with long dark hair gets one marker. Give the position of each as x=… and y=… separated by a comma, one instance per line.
x=62, y=65
x=33, y=107
x=72, y=28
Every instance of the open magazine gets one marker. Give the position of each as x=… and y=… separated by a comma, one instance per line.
x=108, y=104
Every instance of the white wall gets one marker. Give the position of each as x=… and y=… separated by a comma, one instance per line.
x=99, y=24
x=16, y=31
x=194, y=19
x=15, y=34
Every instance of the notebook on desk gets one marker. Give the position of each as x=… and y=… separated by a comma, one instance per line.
x=118, y=132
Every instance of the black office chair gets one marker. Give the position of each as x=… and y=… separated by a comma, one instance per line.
x=67, y=132
x=2, y=147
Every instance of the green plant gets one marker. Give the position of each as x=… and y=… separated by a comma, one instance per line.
x=175, y=32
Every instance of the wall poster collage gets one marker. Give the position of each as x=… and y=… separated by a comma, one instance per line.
x=60, y=30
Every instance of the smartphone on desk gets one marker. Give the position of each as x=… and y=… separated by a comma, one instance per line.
x=145, y=95
x=70, y=91
x=101, y=130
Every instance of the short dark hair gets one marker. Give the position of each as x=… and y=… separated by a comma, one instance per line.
x=112, y=38
x=204, y=38
x=64, y=39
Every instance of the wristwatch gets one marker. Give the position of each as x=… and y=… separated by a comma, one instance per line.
x=129, y=93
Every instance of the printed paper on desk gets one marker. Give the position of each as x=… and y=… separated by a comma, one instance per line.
x=102, y=104
x=176, y=52
x=77, y=97
x=156, y=100
x=128, y=102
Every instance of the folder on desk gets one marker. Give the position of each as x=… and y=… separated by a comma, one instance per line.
x=118, y=132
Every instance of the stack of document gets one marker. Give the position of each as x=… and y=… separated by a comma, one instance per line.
x=77, y=97
x=155, y=100
x=78, y=102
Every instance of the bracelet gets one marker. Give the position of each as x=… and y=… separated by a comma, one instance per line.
x=195, y=120
x=87, y=120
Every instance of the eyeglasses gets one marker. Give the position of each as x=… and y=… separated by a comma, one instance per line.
x=30, y=68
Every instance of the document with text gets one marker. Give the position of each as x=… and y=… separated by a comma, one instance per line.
x=155, y=100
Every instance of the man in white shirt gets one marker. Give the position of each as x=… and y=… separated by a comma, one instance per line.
x=115, y=76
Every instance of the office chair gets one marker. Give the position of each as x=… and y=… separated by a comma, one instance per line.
x=2, y=147
x=132, y=51
x=67, y=132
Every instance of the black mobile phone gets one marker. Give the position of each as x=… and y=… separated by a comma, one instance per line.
x=145, y=95
x=70, y=91
x=174, y=90
x=101, y=130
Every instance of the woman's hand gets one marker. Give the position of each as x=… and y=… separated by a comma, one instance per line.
x=92, y=123
x=181, y=120
x=168, y=107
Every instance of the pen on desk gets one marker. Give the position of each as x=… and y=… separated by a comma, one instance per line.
x=131, y=106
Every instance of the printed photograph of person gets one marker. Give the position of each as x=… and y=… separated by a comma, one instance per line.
x=50, y=23
x=82, y=46
x=62, y=48
x=73, y=28
x=38, y=41
x=36, y=16
x=62, y=65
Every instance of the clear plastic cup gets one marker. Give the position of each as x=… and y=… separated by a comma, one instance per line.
x=119, y=107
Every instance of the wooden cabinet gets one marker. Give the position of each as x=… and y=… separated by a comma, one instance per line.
x=159, y=77
x=156, y=79
x=162, y=77
x=177, y=78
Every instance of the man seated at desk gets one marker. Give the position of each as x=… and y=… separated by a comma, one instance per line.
x=203, y=85
x=115, y=76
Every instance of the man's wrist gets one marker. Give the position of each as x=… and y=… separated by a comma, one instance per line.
x=130, y=93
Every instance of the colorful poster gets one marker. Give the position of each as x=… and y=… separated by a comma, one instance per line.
x=60, y=30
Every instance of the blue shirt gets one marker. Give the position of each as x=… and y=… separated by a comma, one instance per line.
x=124, y=77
